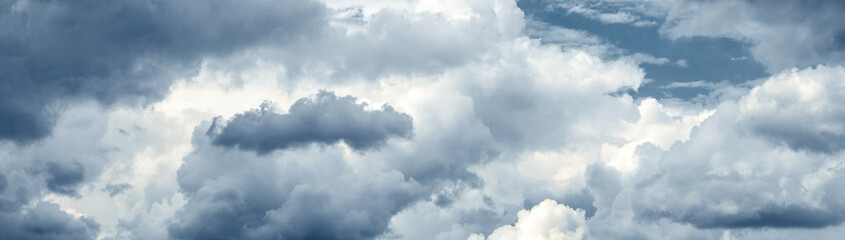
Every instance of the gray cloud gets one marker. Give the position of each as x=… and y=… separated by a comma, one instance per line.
x=3, y=183
x=22, y=220
x=45, y=221
x=58, y=169
x=530, y=130
x=310, y=191
x=115, y=189
x=297, y=194
x=64, y=177
x=324, y=119
x=123, y=52
x=303, y=195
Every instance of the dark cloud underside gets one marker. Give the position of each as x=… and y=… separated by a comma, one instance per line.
x=324, y=119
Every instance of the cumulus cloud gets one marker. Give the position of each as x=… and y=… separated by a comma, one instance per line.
x=486, y=133
x=754, y=164
x=799, y=109
x=325, y=119
x=301, y=193
x=546, y=221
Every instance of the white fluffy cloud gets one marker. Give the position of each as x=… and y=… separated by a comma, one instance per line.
x=769, y=160
x=546, y=221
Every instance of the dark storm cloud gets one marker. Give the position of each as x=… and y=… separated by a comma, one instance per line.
x=46, y=221
x=324, y=119
x=123, y=51
x=789, y=216
x=64, y=177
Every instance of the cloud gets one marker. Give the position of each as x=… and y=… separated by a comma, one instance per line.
x=696, y=84
x=593, y=10
x=546, y=221
x=301, y=193
x=31, y=172
x=785, y=34
x=38, y=180
x=45, y=221
x=65, y=163
x=115, y=189
x=737, y=171
x=511, y=137
x=324, y=119
x=64, y=177
x=123, y=52
x=617, y=17
x=800, y=109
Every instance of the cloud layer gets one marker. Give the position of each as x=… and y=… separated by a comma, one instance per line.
x=428, y=119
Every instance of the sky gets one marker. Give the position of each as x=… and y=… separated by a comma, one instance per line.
x=422, y=119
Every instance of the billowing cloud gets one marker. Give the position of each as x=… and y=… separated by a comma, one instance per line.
x=483, y=125
x=297, y=193
x=772, y=159
x=325, y=119
x=546, y=221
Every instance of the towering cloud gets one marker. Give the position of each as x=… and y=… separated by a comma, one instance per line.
x=769, y=160
x=298, y=193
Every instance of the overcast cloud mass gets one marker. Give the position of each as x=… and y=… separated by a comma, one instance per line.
x=422, y=119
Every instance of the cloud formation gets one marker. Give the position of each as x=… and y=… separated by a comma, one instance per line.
x=492, y=127
x=546, y=221
x=754, y=164
x=46, y=221
x=325, y=119
x=123, y=52
x=298, y=193
x=785, y=34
